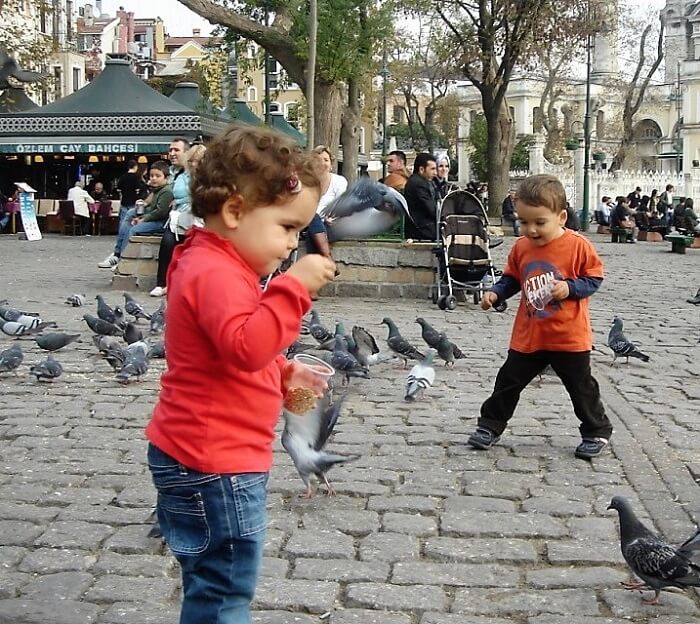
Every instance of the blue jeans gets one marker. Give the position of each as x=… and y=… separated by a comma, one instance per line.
x=123, y=210
x=215, y=526
x=126, y=230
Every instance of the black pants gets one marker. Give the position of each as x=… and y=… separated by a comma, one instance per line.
x=574, y=370
x=165, y=254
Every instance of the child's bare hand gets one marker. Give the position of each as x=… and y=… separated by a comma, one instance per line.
x=313, y=271
x=488, y=300
x=560, y=290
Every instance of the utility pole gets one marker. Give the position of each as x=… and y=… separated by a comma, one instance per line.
x=679, y=109
x=311, y=75
x=585, y=212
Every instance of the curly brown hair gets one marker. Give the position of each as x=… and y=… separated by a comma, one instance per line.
x=542, y=190
x=256, y=163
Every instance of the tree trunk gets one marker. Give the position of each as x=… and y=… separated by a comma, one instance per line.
x=329, y=103
x=499, y=149
x=348, y=132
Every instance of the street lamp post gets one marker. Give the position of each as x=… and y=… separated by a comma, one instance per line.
x=385, y=73
x=585, y=213
x=679, y=108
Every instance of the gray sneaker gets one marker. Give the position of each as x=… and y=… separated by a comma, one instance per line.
x=483, y=439
x=109, y=262
x=590, y=447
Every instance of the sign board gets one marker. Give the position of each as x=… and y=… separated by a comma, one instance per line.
x=27, y=212
x=108, y=147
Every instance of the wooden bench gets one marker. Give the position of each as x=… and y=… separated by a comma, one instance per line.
x=679, y=242
x=603, y=229
x=621, y=235
x=650, y=237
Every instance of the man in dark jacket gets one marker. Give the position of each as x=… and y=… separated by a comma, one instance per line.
x=420, y=197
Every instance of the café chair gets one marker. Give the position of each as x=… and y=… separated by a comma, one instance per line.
x=71, y=222
x=107, y=221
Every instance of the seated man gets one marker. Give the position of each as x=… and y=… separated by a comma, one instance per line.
x=397, y=172
x=621, y=218
x=691, y=223
x=509, y=213
x=420, y=197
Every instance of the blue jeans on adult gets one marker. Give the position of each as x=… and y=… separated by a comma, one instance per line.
x=126, y=230
x=215, y=526
x=123, y=210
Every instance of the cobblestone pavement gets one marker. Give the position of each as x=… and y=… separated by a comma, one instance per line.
x=423, y=529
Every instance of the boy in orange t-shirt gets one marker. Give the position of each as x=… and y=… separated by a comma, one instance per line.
x=557, y=270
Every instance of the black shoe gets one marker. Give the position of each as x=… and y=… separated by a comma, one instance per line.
x=483, y=439
x=590, y=447
x=695, y=299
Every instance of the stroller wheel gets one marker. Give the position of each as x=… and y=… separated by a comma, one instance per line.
x=441, y=303
x=501, y=307
x=450, y=302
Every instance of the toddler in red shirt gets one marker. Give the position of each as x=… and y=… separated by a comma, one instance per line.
x=557, y=270
x=212, y=428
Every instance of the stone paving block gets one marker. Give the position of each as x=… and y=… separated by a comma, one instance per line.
x=273, y=542
x=555, y=577
x=114, y=588
x=533, y=602
x=577, y=619
x=479, y=503
x=501, y=524
x=74, y=534
x=45, y=611
x=556, y=507
x=479, y=550
x=402, y=504
x=23, y=493
x=388, y=547
x=628, y=604
x=353, y=522
x=453, y=618
x=59, y=586
x=595, y=529
x=283, y=617
x=365, y=616
x=111, y=563
x=321, y=544
x=341, y=570
x=51, y=560
x=458, y=574
x=410, y=524
x=274, y=567
x=131, y=540
x=18, y=533
x=105, y=514
x=583, y=553
x=513, y=486
x=11, y=555
x=295, y=595
x=396, y=597
x=11, y=583
x=140, y=613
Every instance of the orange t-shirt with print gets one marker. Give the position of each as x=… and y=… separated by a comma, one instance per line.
x=541, y=323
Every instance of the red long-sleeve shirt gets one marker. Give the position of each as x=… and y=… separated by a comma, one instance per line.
x=221, y=395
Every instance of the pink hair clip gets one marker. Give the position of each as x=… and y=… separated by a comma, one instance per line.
x=294, y=183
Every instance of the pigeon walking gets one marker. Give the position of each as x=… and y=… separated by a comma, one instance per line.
x=399, y=345
x=102, y=327
x=11, y=358
x=621, y=347
x=304, y=438
x=420, y=377
x=134, y=308
x=445, y=350
x=656, y=562
x=76, y=300
x=104, y=311
x=48, y=370
x=55, y=341
x=432, y=338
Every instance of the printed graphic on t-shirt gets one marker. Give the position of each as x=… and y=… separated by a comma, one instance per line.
x=538, y=281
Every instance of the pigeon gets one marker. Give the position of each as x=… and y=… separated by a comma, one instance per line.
x=10, y=69
x=55, y=341
x=317, y=330
x=101, y=327
x=132, y=333
x=366, y=208
x=104, y=311
x=345, y=363
x=76, y=300
x=134, y=308
x=304, y=438
x=11, y=358
x=656, y=562
x=13, y=328
x=363, y=346
x=432, y=338
x=158, y=319
x=135, y=364
x=33, y=323
x=445, y=349
x=399, y=345
x=104, y=343
x=621, y=346
x=156, y=350
x=12, y=314
x=119, y=317
x=420, y=377
x=49, y=369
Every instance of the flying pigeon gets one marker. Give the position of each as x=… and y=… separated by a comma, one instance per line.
x=134, y=308
x=49, y=369
x=366, y=208
x=656, y=562
x=345, y=363
x=76, y=300
x=304, y=438
x=10, y=68
x=55, y=341
x=104, y=311
x=11, y=358
x=102, y=327
x=621, y=346
x=158, y=319
x=399, y=345
x=420, y=377
x=432, y=338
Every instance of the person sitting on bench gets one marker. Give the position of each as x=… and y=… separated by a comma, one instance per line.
x=621, y=219
x=691, y=223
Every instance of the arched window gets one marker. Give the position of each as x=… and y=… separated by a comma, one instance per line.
x=252, y=94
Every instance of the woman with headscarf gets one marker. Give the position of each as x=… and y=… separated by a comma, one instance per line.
x=440, y=183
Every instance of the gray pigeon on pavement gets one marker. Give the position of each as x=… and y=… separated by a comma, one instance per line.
x=102, y=327
x=134, y=308
x=158, y=319
x=136, y=363
x=317, y=330
x=55, y=341
x=76, y=300
x=304, y=438
x=656, y=562
x=33, y=323
x=345, y=363
x=399, y=345
x=104, y=311
x=420, y=377
x=156, y=350
x=104, y=343
x=445, y=350
x=132, y=333
x=49, y=369
x=621, y=347
x=13, y=328
x=11, y=358
x=363, y=346
x=432, y=338
x=9, y=313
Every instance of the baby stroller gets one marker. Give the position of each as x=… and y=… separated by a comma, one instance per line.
x=463, y=252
